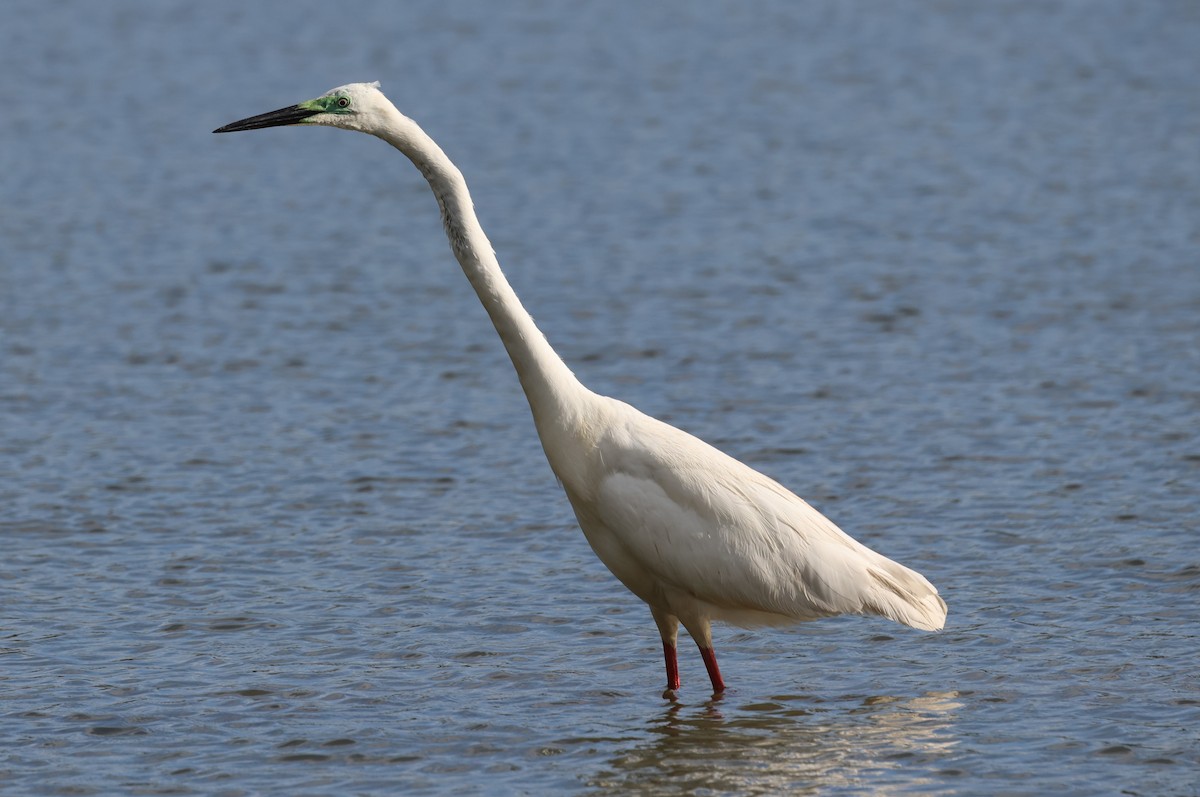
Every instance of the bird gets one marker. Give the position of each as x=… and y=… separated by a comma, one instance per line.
x=694, y=533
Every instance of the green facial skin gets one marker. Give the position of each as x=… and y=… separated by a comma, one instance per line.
x=332, y=103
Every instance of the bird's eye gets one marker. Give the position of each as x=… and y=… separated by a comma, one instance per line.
x=343, y=102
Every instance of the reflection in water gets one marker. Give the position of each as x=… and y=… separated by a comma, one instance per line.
x=786, y=745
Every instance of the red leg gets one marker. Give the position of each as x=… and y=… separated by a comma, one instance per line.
x=672, y=666
x=714, y=672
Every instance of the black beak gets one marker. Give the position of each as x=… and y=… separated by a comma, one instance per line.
x=284, y=116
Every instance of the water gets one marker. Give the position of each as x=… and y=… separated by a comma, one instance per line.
x=275, y=519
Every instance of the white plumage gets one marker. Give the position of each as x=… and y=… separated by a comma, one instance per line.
x=694, y=533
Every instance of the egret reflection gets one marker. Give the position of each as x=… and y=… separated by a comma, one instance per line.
x=783, y=745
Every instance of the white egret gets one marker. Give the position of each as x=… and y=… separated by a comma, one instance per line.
x=694, y=533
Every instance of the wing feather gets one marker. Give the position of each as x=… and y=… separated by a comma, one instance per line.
x=705, y=524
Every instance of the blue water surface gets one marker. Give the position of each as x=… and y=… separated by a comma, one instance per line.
x=275, y=519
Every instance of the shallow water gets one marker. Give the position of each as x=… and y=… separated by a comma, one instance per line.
x=275, y=517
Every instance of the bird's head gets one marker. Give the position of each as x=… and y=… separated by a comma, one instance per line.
x=354, y=106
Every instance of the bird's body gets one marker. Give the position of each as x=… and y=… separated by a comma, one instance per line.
x=696, y=534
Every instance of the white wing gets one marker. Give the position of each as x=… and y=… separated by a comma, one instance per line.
x=699, y=523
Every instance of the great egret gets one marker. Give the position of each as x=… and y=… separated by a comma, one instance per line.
x=694, y=533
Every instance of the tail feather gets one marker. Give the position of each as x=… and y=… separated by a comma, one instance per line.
x=906, y=597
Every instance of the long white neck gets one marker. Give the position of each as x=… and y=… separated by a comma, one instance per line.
x=546, y=380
